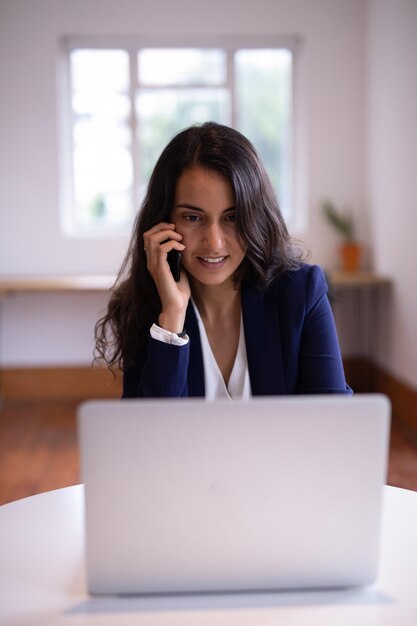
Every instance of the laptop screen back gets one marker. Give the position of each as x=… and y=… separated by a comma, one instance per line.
x=273, y=493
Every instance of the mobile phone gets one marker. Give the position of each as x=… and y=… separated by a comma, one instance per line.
x=174, y=262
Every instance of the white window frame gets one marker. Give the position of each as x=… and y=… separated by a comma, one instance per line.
x=297, y=220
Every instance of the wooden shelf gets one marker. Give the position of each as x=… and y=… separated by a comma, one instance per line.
x=103, y=282
x=338, y=278
x=81, y=282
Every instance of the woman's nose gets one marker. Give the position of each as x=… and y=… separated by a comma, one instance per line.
x=213, y=237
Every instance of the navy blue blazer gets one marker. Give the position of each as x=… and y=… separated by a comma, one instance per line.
x=291, y=345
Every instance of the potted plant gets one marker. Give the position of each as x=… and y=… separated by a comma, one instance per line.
x=343, y=223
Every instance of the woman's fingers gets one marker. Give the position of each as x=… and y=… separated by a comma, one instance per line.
x=160, y=234
x=171, y=244
x=157, y=257
x=162, y=243
x=158, y=241
x=161, y=226
x=160, y=231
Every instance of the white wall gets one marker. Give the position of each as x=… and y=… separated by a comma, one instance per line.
x=392, y=119
x=52, y=329
x=334, y=52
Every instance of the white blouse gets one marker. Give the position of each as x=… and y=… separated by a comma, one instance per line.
x=239, y=382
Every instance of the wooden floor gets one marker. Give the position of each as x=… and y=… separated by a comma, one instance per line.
x=38, y=450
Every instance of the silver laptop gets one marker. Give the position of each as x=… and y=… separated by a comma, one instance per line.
x=195, y=496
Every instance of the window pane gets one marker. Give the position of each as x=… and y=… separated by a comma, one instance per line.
x=178, y=87
x=102, y=181
x=264, y=112
x=163, y=113
x=110, y=209
x=102, y=163
x=95, y=131
x=109, y=106
x=187, y=66
x=101, y=71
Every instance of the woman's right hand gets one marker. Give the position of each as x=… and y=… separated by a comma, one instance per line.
x=158, y=241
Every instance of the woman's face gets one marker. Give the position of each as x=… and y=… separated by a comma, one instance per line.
x=204, y=213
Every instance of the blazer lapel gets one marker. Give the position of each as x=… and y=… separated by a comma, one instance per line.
x=263, y=346
x=195, y=377
x=263, y=342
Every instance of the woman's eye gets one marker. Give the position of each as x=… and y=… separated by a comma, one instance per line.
x=191, y=218
x=231, y=217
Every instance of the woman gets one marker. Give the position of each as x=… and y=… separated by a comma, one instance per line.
x=247, y=316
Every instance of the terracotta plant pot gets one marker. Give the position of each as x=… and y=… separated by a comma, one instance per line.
x=351, y=256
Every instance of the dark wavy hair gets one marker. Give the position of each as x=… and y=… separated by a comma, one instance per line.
x=122, y=334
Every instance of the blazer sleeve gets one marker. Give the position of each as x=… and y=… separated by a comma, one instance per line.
x=320, y=361
x=163, y=373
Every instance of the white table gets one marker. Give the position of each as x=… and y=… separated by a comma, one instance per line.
x=42, y=578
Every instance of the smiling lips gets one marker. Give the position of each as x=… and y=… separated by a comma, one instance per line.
x=212, y=262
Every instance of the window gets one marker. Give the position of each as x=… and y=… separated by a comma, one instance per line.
x=124, y=103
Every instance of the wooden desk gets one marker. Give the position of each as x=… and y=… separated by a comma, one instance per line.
x=81, y=282
x=361, y=291
x=101, y=282
x=360, y=303
x=11, y=286
x=358, y=280
x=42, y=580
